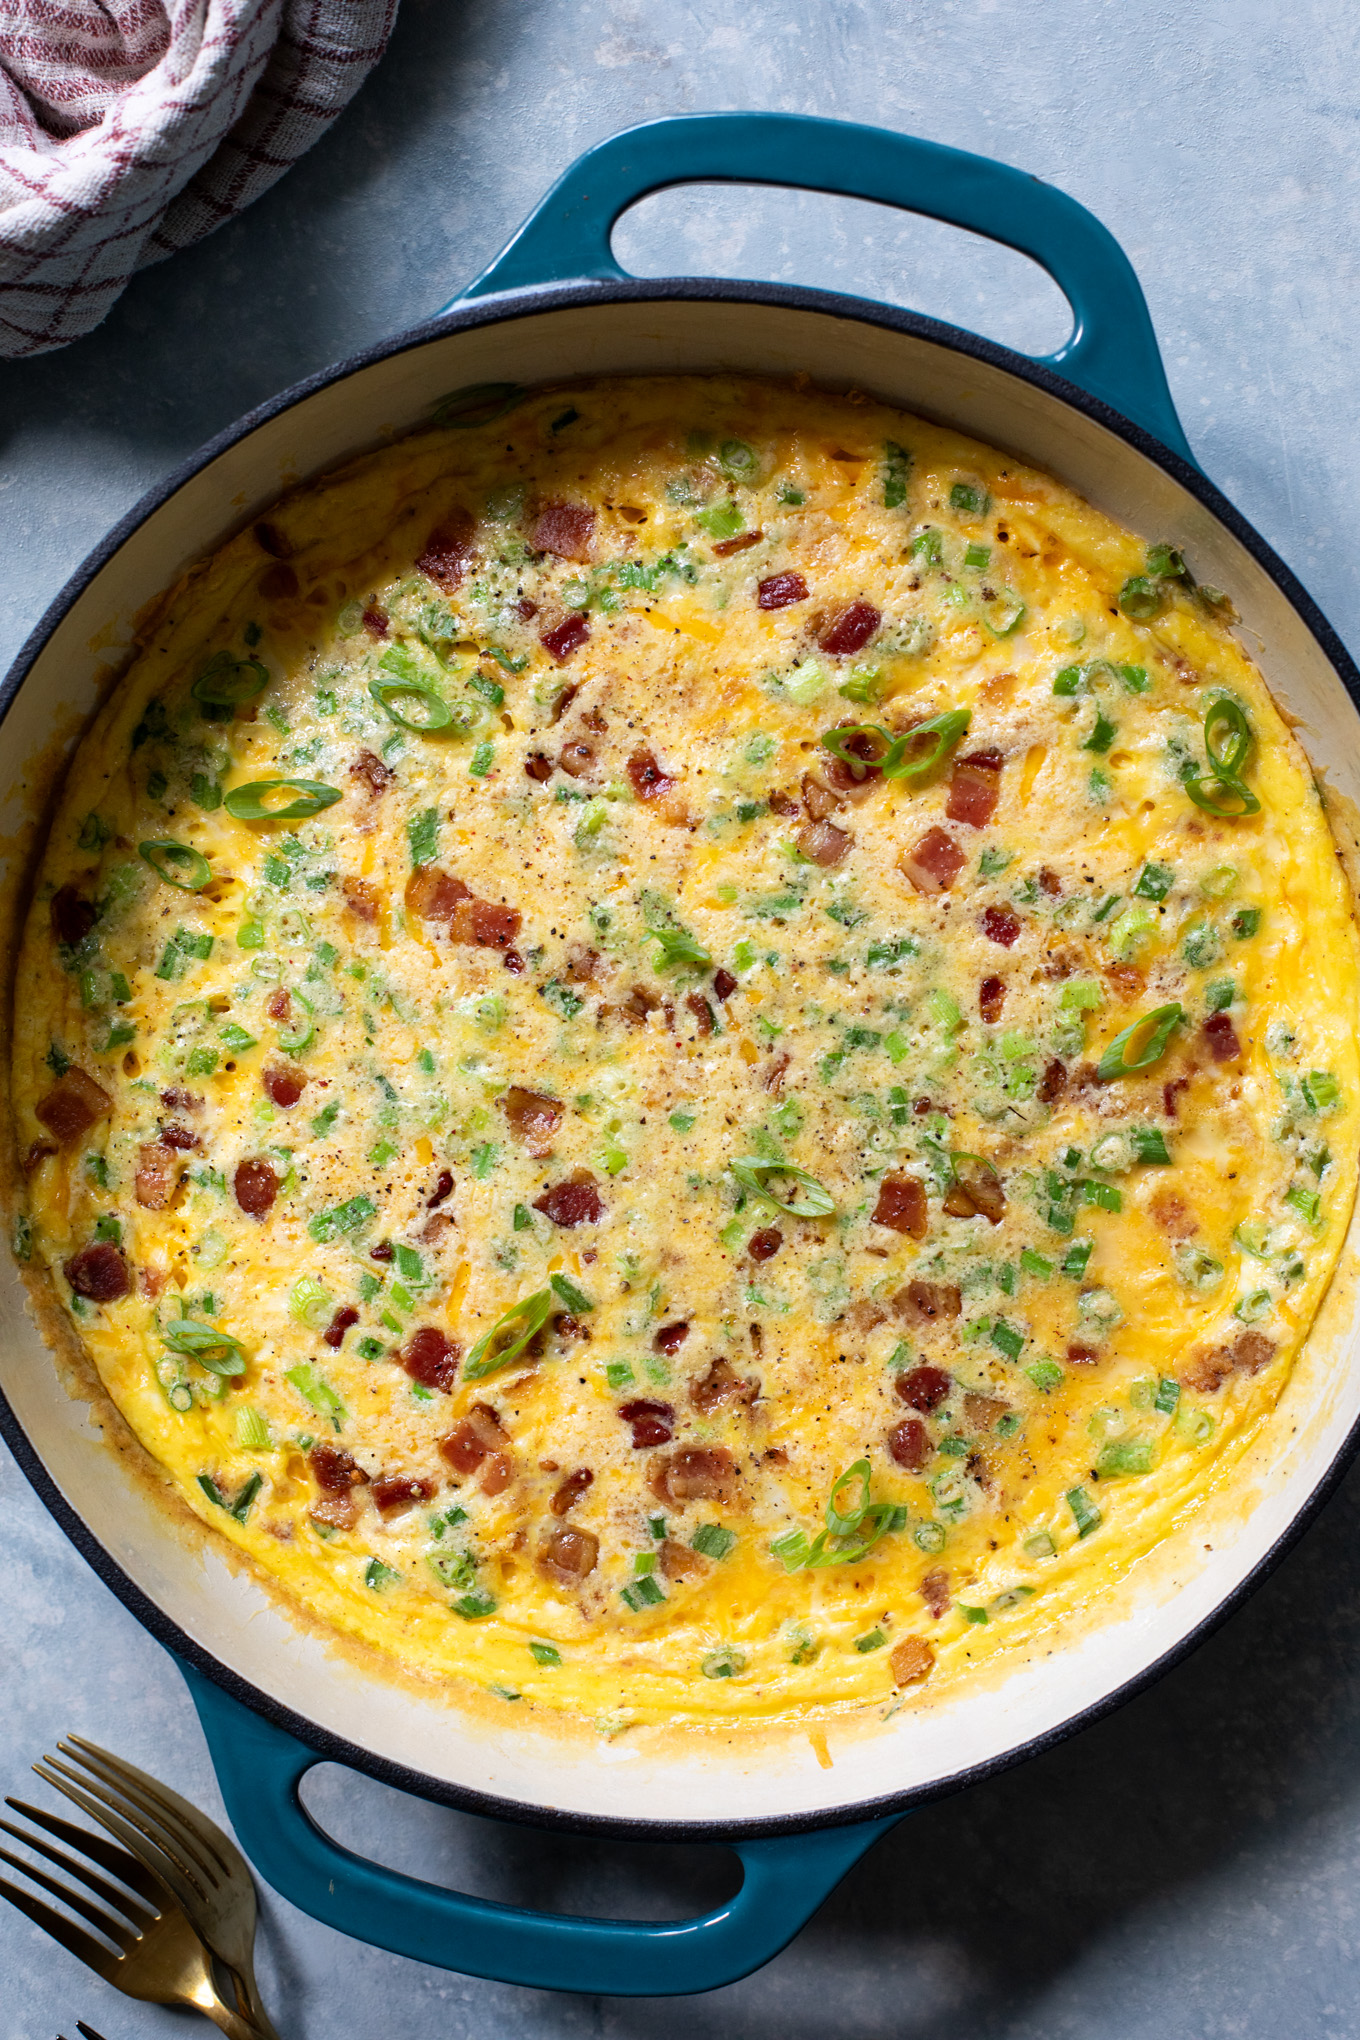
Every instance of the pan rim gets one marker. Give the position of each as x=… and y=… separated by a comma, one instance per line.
x=506, y=308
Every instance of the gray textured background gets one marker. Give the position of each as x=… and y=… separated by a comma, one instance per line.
x=1189, y=1867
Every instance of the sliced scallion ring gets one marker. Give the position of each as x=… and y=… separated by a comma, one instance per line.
x=837, y=742
x=478, y=404
x=1003, y=613
x=436, y=713
x=816, y=1202
x=1224, y=714
x=1147, y=1036
x=249, y=803
x=678, y=947
x=509, y=1336
x=214, y=1349
x=225, y=680
x=842, y=1522
x=1229, y=799
x=178, y=864
x=939, y=735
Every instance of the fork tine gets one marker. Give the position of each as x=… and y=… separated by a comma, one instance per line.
x=117, y=1930
x=73, y=1939
x=138, y=1915
x=151, y=1798
x=155, y=1858
x=88, y=2032
x=128, y=1869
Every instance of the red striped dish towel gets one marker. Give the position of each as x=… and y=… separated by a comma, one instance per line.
x=129, y=128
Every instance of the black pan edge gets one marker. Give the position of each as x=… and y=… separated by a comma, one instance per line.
x=498, y=310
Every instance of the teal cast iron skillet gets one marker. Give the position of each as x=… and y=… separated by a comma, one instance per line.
x=556, y=303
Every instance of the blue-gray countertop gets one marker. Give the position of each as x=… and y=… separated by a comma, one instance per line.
x=1188, y=1869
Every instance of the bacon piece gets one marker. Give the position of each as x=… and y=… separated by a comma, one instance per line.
x=181, y=1138
x=991, y=998
x=773, y=1080
x=539, y=766
x=934, y=863
x=73, y=916
x=1170, y=1093
x=671, y=1337
x=270, y=539
x=564, y=700
x=576, y=1201
x=741, y=543
x=974, y=788
x=256, y=1185
x=448, y=551
x=577, y=760
x=909, y=1444
x=823, y=842
x=922, y=1302
x=1221, y=1037
x=181, y=1101
x=375, y=621
x=1083, y=1356
x=513, y=961
x=1173, y=1214
x=157, y=1177
x=923, y=1389
x=982, y=1411
x=396, y=1493
x=1001, y=925
x=480, y=1434
x=565, y=529
x=568, y=1555
x=442, y=1189
x=571, y=1491
x=935, y=1591
x=99, y=1272
x=334, y=1334
x=777, y=591
x=278, y=583
x=37, y=1151
x=722, y=1384
x=901, y=1205
x=652, y=1423
x=565, y=637
x=73, y=1105
x=850, y=629
x=678, y=1562
x=1126, y=978
x=534, y=1117
x=376, y=776
x=702, y=1011
x=854, y=781
x=639, y=1003
x=820, y=802
x=382, y=1252
x=1053, y=1082
x=432, y=894
x=280, y=1005
x=283, y=1087
x=646, y=777
x=1208, y=1369
x=975, y=1191
x=694, y=1473
x=484, y=923
x=782, y=803
x=524, y=609
x=912, y=1660
x=765, y=1244
x=431, y=1357
x=334, y=1470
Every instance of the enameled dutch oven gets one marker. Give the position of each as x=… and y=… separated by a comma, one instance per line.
x=273, y=1701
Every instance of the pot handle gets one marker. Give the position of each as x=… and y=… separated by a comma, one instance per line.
x=1112, y=351
x=260, y=1767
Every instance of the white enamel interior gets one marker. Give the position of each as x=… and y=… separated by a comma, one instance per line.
x=229, y=1617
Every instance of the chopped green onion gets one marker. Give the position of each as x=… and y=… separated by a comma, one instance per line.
x=1040, y=1545
x=874, y=1639
x=316, y=1390
x=969, y=499
x=939, y=733
x=1167, y=1396
x=679, y=947
x=545, y=1654
x=1154, y=882
x=472, y=1607
x=711, y=1540
x=1322, y=1090
x=1008, y=1339
x=250, y=802
x=224, y=681
x=643, y=1593
x=1120, y=1457
x=1035, y=1264
x=512, y=1332
x=1153, y=1029
x=1149, y=1144
x=723, y=1664
x=214, y=1349
x=896, y=468
x=1086, y=1516
x=240, y=1508
x=176, y=863
x=436, y=713
x=1102, y=735
x=816, y=1202
x=1141, y=597
x=1246, y=922
x=575, y=1299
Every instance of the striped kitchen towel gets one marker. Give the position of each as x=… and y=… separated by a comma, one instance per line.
x=130, y=128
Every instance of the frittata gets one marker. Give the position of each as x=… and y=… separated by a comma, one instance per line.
x=687, y=1051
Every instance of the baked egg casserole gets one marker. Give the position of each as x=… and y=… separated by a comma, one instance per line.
x=686, y=1051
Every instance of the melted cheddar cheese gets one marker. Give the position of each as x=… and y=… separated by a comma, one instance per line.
x=687, y=1050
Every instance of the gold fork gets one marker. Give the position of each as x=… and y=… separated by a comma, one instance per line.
x=156, y=1955
x=205, y=1872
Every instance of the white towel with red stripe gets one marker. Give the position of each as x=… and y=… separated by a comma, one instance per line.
x=130, y=128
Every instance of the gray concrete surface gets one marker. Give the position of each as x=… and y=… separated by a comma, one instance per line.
x=1187, y=1870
